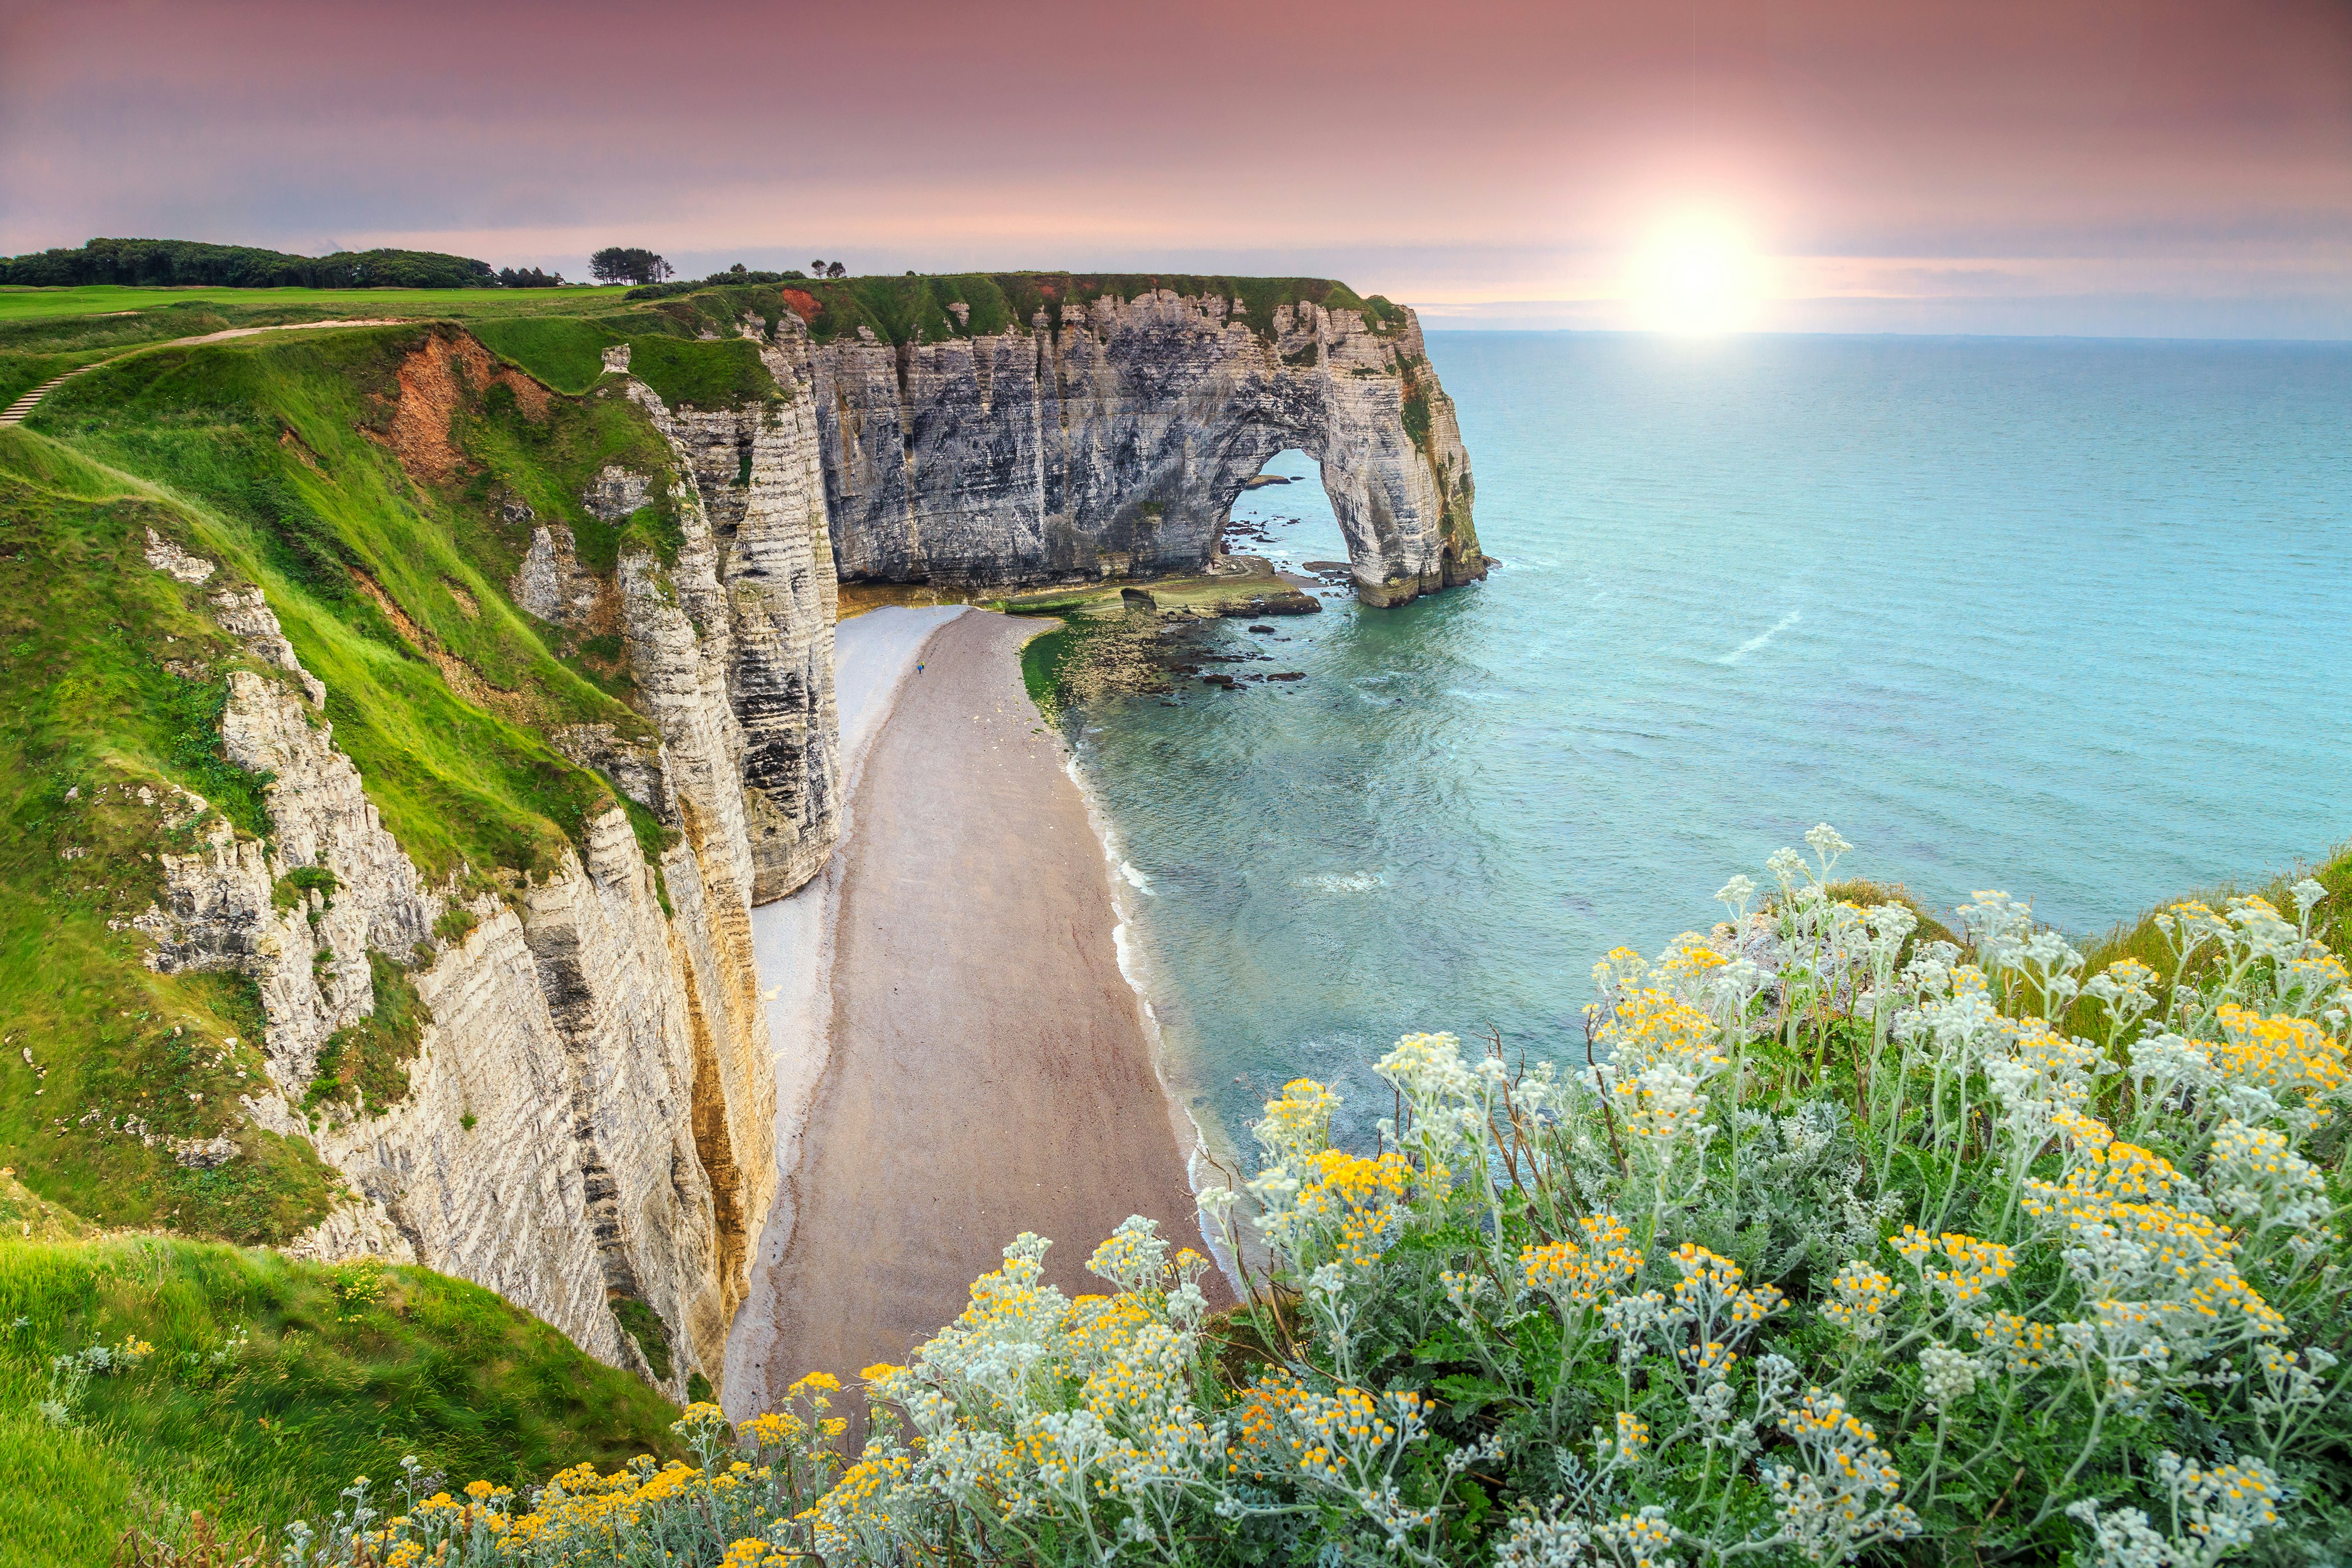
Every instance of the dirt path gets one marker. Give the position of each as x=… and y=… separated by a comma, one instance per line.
x=14, y=412
x=989, y=1069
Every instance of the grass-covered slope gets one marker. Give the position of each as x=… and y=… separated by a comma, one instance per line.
x=560, y=334
x=383, y=544
x=88, y=634
x=300, y=480
x=46, y=330
x=270, y=1385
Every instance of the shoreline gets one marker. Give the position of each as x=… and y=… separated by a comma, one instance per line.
x=1192, y=1136
x=962, y=1053
x=792, y=945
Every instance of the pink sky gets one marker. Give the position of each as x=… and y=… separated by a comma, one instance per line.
x=2138, y=166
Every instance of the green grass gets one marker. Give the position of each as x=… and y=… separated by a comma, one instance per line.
x=87, y=636
x=339, y=1372
x=1043, y=659
x=565, y=351
x=268, y=441
x=687, y=374
x=100, y=299
x=365, y=1064
x=548, y=463
x=645, y=1326
x=266, y=456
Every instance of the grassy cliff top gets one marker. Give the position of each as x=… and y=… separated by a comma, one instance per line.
x=559, y=333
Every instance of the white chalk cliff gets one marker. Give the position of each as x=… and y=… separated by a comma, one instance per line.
x=590, y=1110
x=1112, y=441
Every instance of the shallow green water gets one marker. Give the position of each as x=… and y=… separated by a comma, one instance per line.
x=2066, y=618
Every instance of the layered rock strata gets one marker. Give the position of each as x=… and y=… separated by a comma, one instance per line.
x=730, y=643
x=591, y=1105
x=1113, y=444
x=755, y=579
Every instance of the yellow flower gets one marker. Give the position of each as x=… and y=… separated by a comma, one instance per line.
x=1575, y=1276
x=2281, y=1054
x=1298, y=1123
x=1864, y=1295
x=1360, y=1196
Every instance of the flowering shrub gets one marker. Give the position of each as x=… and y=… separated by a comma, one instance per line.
x=1841, y=1245
x=711, y=1512
x=70, y=1374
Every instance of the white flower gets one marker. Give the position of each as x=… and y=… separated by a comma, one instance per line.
x=1949, y=1374
x=1736, y=895
x=1543, y=1541
x=2123, y=1539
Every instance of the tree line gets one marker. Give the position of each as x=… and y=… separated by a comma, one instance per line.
x=189, y=263
x=167, y=263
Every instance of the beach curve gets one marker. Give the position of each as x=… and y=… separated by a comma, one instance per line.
x=983, y=1067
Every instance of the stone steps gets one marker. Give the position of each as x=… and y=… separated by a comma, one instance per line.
x=14, y=412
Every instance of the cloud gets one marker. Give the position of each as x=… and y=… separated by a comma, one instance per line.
x=1496, y=150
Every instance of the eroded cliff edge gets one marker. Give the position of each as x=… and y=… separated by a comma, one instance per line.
x=462, y=695
x=499, y=947
x=1108, y=431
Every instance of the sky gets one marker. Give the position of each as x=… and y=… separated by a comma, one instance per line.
x=2099, y=167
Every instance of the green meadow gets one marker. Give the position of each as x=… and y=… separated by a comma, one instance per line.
x=266, y=1385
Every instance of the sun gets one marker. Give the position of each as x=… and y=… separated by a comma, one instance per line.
x=1695, y=274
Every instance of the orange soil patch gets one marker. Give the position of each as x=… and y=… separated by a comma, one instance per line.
x=802, y=303
x=434, y=380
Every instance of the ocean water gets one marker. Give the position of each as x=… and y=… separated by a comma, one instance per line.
x=2071, y=620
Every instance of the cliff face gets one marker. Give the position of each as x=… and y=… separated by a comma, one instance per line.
x=1112, y=440
x=589, y=1107
x=589, y=1115
x=732, y=645
x=756, y=581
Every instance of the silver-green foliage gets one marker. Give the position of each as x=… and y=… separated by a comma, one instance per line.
x=1837, y=1248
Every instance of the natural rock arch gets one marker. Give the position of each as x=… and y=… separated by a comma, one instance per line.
x=1113, y=443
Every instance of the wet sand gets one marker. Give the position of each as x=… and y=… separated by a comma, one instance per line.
x=988, y=1070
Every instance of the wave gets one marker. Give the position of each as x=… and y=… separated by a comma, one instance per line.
x=1761, y=638
x=1343, y=881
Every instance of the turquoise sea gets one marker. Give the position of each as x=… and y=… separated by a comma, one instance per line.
x=2068, y=618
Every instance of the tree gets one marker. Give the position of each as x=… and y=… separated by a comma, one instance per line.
x=616, y=264
x=529, y=278
x=835, y=269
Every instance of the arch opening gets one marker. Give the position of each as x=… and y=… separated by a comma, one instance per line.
x=1285, y=514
